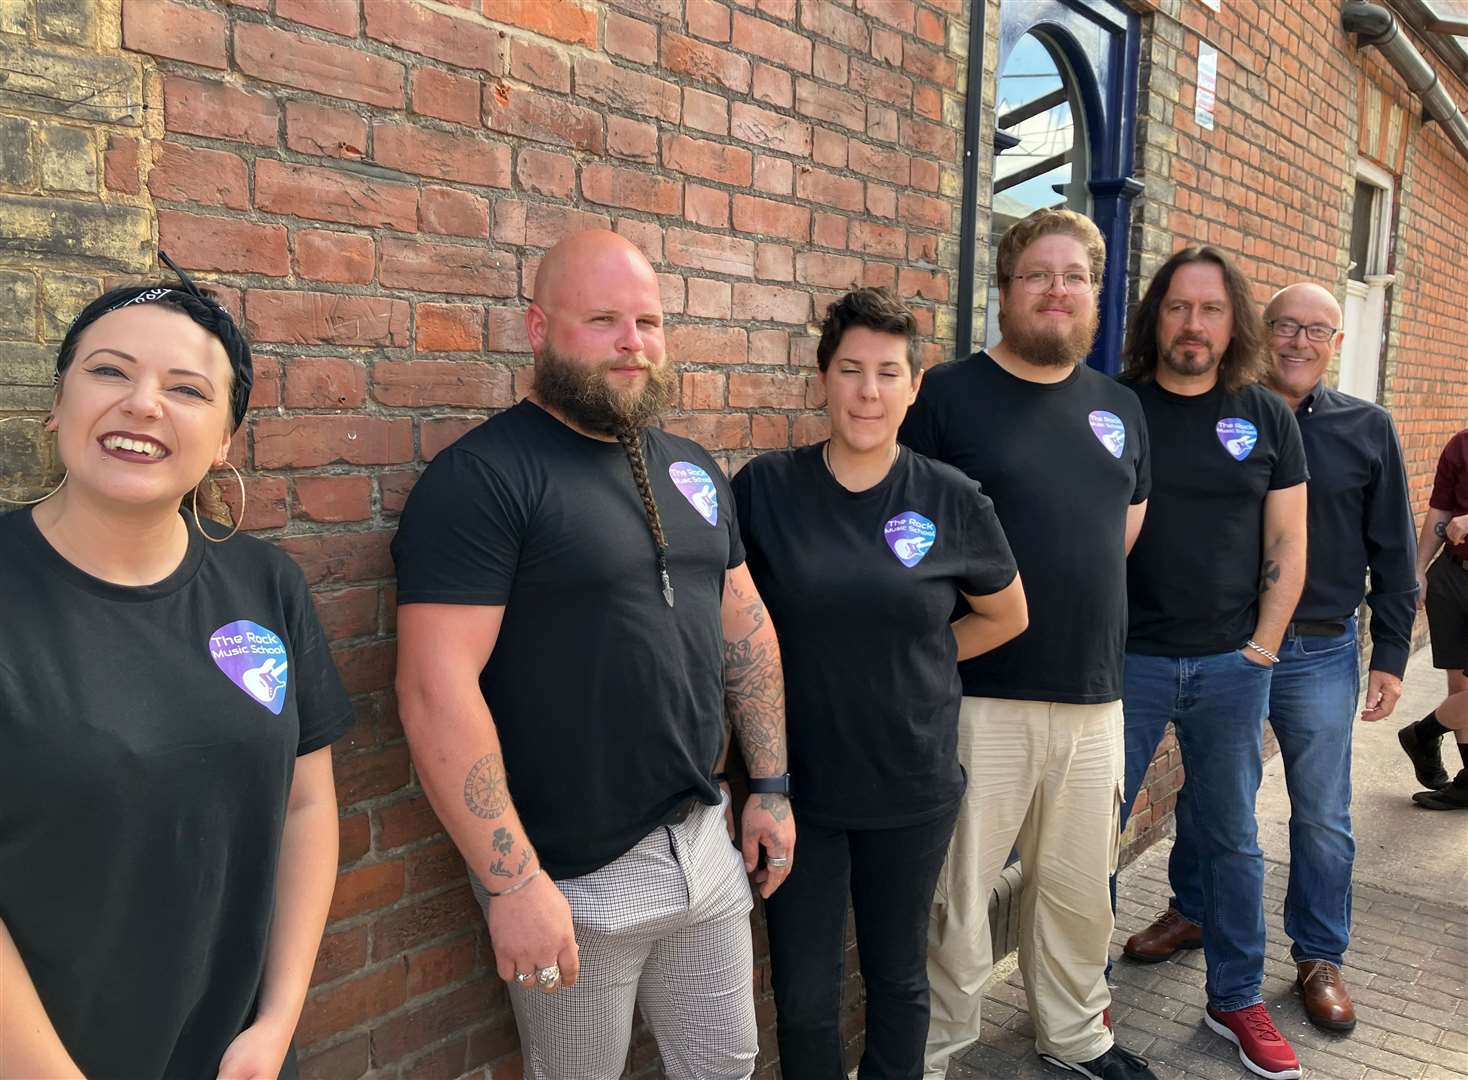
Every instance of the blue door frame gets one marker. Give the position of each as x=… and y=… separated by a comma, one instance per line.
x=1100, y=40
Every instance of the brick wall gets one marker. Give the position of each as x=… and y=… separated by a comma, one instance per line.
x=370, y=184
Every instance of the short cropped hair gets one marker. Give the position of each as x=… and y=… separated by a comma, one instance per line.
x=875, y=309
x=1049, y=222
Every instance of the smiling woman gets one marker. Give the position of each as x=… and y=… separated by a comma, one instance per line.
x=170, y=814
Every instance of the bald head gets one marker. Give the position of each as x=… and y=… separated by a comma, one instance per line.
x=1304, y=294
x=1297, y=360
x=585, y=263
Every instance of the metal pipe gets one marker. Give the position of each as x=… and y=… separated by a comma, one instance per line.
x=968, y=225
x=1375, y=25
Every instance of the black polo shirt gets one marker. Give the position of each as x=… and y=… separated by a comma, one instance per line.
x=1360, y=522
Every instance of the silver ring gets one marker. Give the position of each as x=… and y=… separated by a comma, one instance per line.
x=548, y=976
x=523, y=977
x=780, y=861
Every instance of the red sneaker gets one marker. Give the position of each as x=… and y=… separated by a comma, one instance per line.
x=1262, y=1049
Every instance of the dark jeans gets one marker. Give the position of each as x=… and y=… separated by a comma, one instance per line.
x=890, y=876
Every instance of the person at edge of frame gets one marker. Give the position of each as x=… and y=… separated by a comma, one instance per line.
x=1211, y=585
x=167, y=705
x=861, y=549
x=1063, y=452
x=575, y=617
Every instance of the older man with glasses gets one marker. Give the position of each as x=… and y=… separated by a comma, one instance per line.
x=1360, y=523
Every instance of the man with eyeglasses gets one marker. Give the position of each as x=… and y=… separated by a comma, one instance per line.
x=1360, y=523
x=1212, y=583
x=1062, y=451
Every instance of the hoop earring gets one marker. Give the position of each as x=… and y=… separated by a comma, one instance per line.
x=239, y=518
x=53, y=491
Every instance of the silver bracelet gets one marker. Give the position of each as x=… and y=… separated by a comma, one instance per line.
x=526, y=880
x=1260, y=649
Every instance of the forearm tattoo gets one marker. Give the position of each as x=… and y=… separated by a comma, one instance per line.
x=1268, y=576
x=754, y=689
x=487, y=795
x=486, y=791
x=777, y=806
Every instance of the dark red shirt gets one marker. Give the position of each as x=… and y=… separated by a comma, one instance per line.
x=1450, y=488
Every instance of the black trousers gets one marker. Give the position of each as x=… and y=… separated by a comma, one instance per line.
x=890, y=876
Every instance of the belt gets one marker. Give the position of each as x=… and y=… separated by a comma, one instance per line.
x=1317, y=629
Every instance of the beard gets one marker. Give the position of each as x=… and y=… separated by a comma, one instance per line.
x=584, y=394
x=1203, y=360
x=1049, y=346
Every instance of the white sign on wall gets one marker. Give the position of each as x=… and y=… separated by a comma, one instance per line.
x=1207, y=85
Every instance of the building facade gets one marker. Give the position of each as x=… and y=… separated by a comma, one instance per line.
x=369, y=185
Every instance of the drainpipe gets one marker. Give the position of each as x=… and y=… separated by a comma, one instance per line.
x=1377, y=26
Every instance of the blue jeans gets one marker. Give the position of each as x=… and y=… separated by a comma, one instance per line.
x=1312, y=708
x=1216, y=705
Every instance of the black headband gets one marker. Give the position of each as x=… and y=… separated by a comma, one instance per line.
x=193, y=302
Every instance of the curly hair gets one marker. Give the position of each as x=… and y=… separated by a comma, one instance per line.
x=1243, y=362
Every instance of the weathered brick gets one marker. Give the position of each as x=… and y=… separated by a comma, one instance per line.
x=449, y=328
x=837, y=24
x=324, y=382
x=529, y=114
x=631, y=38
x=630, y=91
x=330, y=195
x=760, y=127
x=772, y=42
x=831, y=271
x=770, y=303
x=470, y=383
x=545, y=225
x=690, y=343
x=18, y=305
x=709, y=299
x=608, y=185
x=469, y=269
x=761, y=390
x=769, y=218
x=312, y=318
x=446, y=96
x=216, y=110
x=829, y=188
x=347, y=1004
x=192, y=174
x=450, y=38
x=710, y=160
x=632, y=139
x=830, y=65
x=880, y=163
x=829, y=230
x=120, y=164
x=708, y=19
x=933, y=139
x=773, y=175
x=221, y=243
x=320, y=129
x=175, y=31
x=710, y=251
x=774, y=262
x=874, y=238
x=705, y=112
x=924, y=212
x=703, y=390
x=335, y=70
x=872, y=81
x=546, y=174
x=98, y=87
x=829, y=104
x=451, y=212
x=449, y=156
x=546, y=66
x=71, y=21
x=112, y=237
x=706, y=206
x=830, y=148
x=17, y=153
x=707, y=63
x=334, y=256
x=713, y=431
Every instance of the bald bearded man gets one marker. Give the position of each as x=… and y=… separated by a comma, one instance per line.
x=1360, y=526
x=575, y=617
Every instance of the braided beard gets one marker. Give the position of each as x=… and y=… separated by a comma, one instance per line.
x=584, y=394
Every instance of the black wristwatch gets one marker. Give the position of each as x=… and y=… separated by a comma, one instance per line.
x=770, y=785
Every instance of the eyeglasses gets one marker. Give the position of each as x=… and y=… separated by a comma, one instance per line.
x=1038, y=281
x=1288, y=328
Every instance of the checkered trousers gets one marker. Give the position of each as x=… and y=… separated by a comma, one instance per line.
x=664, y=927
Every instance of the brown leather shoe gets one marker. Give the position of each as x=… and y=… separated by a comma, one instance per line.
x=1162, y=940
x=1327, y=1001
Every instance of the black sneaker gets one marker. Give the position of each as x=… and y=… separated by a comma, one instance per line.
x=1115, y=1064
x=1426, y=756
x=1452, y=796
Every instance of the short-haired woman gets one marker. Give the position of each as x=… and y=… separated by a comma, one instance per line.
x=862, y=550
x=168, y=831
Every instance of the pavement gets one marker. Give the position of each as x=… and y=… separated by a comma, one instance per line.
x=1407, y=968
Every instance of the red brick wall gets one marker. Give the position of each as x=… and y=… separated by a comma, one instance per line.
x=373, y=184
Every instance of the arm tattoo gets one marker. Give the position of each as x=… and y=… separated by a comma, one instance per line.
x=1268, y=576
x=486, y=791
x=500, y=868
x=778, y=806
x=754, y=690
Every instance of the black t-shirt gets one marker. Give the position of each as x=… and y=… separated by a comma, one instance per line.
x=860, y=587
x=1193, y=577
x=609, y=704
x=149, y=742
x=1062, y=462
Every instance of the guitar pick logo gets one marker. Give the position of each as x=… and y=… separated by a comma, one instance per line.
x=910, y=536
x=697, y=487
x=1237, y=435
x=1107, y=427
x=254, y=659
